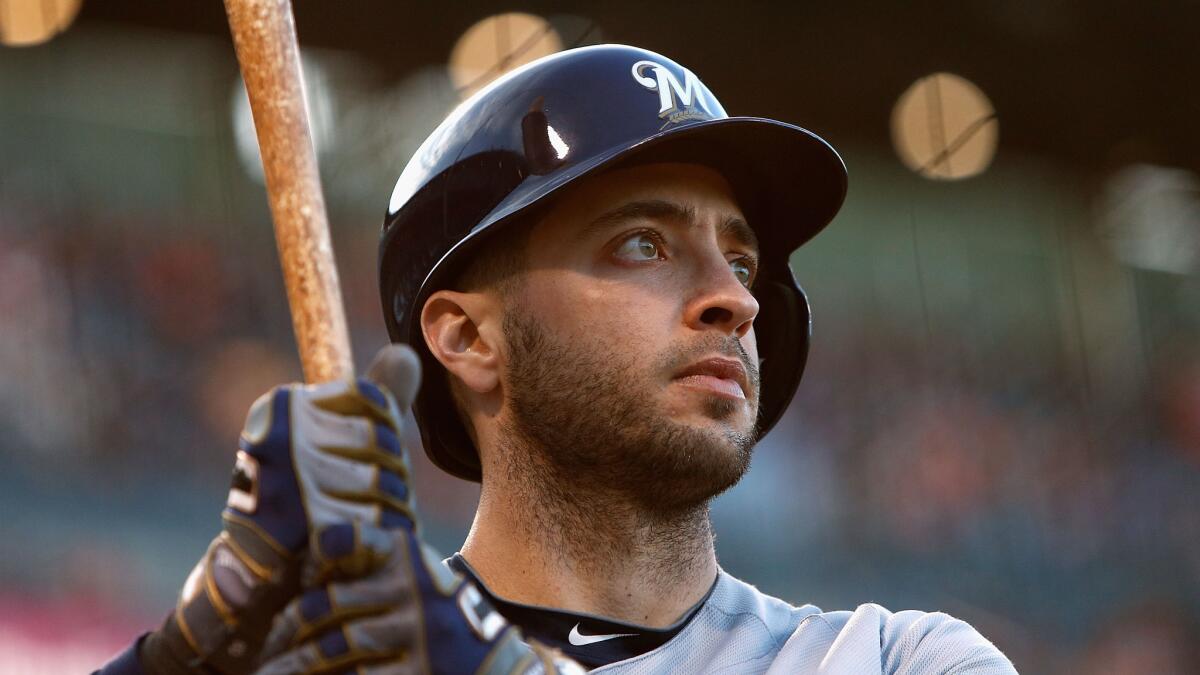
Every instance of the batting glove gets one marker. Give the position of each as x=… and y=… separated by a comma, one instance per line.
x=413, y=615
x=309, y=457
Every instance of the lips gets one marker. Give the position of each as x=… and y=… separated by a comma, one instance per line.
x=727, y=376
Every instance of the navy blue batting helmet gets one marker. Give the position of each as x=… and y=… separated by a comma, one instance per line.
x=536, y=130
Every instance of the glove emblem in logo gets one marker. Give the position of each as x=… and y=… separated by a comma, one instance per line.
x=243, y=491
x=677, y=101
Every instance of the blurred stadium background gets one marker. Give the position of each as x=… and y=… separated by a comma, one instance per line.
x=1001, y=417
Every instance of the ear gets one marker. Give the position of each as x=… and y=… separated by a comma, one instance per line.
x=457, y=331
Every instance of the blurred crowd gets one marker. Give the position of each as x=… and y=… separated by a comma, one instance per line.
x=913, y=469
x=1069, y=534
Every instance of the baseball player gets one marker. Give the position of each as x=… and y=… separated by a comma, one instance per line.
x=590, y=259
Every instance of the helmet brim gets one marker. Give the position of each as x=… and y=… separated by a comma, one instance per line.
x=789, y=181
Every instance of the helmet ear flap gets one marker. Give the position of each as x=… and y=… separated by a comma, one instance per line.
x=442, y=428
x=783, y=328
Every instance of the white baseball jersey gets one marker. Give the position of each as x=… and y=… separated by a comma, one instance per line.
x=738, y=629
x=741, y=630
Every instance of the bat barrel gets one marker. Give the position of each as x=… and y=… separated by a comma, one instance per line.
x=264, y=34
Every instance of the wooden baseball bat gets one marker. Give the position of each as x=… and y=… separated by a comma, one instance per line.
x=264, y=35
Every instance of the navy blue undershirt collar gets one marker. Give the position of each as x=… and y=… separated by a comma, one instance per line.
x=591, y=640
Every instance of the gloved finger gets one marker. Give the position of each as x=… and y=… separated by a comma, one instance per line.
x=337, y=489
x=397, y=368
x=384, y=502
x=349, y=458
x=327, y=509
x=346, y=550
x=381, y=449
x=395, y=631
x=317, y=656
x=379, y=480
x=310, y=614
x=326, y=427
x=392, y=484
x=387, y=441
x=311, y=608
x=313, y=613
x=372, y=640
x=393, y=584
x=334, y=471
x=372, y=505
x=317, y=608
x=358, y=398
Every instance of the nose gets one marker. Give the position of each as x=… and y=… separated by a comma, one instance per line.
x=720, y=302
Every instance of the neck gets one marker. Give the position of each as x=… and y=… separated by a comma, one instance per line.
x=542, y=538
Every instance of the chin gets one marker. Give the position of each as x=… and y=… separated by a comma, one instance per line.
x=729, y=416
x=693, y=459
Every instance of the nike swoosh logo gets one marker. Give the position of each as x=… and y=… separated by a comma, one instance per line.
x=579, y=639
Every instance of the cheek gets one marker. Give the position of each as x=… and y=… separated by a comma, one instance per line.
x=592, y=310
x=750, y=344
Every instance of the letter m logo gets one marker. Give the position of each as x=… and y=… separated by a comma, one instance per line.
x=672, y=95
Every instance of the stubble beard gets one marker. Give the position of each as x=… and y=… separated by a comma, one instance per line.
x=586, y=426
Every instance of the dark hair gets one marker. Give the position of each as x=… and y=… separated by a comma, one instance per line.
x=497, y=262
x=495, y=266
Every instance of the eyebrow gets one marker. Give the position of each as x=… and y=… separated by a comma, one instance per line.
x=661, y=209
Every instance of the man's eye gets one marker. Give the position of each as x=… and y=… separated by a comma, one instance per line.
x=742, y=270
x=639, y=247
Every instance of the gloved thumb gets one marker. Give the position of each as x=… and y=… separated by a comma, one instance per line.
x=397, y=368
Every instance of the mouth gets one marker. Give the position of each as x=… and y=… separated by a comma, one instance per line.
x=716, y=375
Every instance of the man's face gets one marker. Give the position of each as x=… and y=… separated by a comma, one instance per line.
x=631, y=358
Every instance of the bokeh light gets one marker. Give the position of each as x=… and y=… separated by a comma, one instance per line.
x=497, y=45
x=318, y=99
x=944, y=127
x=1150, y=217
x=24, y=23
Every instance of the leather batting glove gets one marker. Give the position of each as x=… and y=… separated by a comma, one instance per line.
x=412, y=615
x=309, y=457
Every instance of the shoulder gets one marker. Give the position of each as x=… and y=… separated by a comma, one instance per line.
x=874, y=639
x=743, y=603
x=740, y=629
